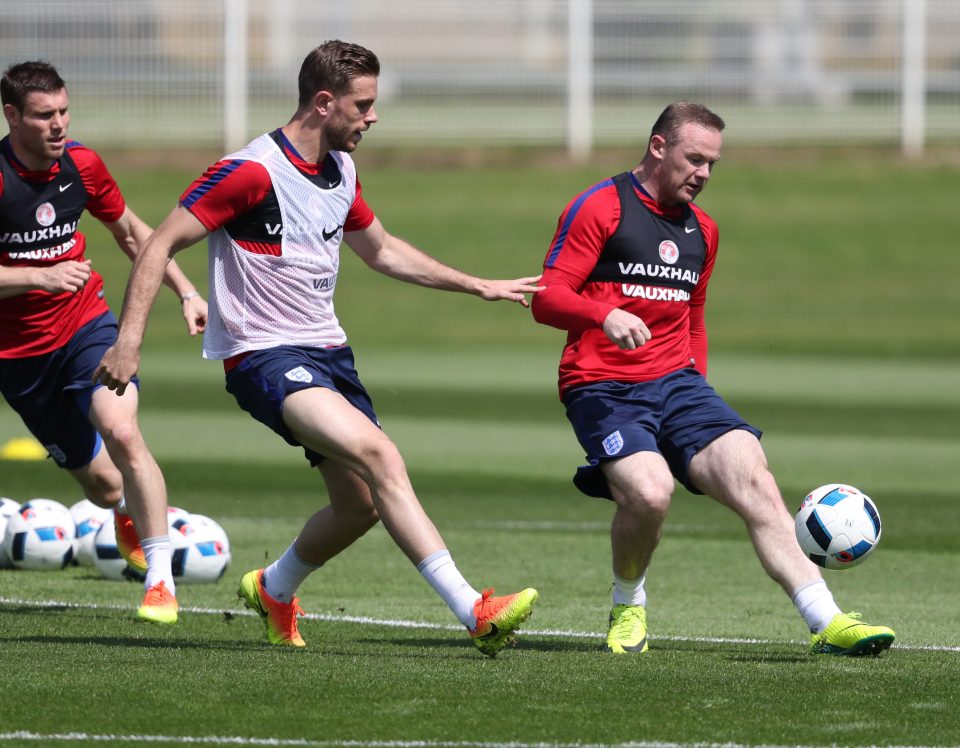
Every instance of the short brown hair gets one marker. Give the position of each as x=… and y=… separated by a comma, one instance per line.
x=22, y=79
x=681, y=113
x=332, y=67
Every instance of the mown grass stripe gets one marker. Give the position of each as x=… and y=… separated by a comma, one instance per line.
x=240, y=740
x=405, y=624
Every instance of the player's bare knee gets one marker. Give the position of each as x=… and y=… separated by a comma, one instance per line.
x=365, y=517
x=384, y=463
x=124, y=442
x=103, y=489
x=105, y=494
x=651, y=499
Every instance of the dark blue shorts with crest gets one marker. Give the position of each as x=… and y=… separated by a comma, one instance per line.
x=676, y=416
x=261, y=382
x=52, y=392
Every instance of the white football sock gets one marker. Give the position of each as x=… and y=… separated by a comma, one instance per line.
x=158, y=552
x=815, y=604
x=442, y=574
x=284, y=576
x=629, y=591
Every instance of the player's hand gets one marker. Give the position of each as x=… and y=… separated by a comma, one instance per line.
x=194, y=312
x=117, y=368
x=70, y=276
x=627, y=331
x=510, y=290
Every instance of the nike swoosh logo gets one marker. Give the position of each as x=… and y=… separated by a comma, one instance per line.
x=689, y=231
x=328, y=235
x=65, y=187
x=494, y=631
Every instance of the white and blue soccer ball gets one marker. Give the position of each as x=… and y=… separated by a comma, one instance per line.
x=60, y=510
x=106, y=555
x=201, y=549
x=39, y=537
x=8, y=507
x=837, y=526
x=87, y=519
x=51, y=505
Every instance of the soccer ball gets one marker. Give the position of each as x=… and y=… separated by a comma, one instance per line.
x=201, y=549
x=106, y=555
x=48, y=505
x=837, y=526
x=39, y=537
x=61, y=511
x=8, y=507
x=87, y=518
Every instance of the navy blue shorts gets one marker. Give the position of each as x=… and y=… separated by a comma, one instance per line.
x=52, y=392
x=676, y=416
x=261, y=382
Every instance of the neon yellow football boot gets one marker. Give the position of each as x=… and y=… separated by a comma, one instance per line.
x=628, y=630
x=846, y=635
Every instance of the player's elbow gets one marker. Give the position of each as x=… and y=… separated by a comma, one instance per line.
x=539, y=307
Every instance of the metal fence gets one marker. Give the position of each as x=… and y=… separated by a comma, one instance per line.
x=155, y=73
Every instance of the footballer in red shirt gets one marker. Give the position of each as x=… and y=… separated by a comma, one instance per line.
x=55, y=324
x=626, y=276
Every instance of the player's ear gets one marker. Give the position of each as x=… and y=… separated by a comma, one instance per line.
x=657, y=146
x=322, y=101
x=12, y=114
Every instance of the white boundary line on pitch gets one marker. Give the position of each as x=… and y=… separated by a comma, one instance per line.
x=238, y=740
x=402, y=624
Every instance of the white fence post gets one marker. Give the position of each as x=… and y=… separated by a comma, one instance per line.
x=234, y=74
x=913, y=95
x=580, y=79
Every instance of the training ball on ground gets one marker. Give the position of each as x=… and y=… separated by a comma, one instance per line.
x=48, y=505
x=201, y=549
x=106, y=555
x=39, y=538
x=59, y=509
x=87, y=518
x=837, y=526
x=8, y=507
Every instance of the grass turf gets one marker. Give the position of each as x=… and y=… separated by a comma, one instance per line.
x=828, y=330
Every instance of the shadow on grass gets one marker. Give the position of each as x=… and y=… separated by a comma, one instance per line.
x=137, y=642
x=524, y=643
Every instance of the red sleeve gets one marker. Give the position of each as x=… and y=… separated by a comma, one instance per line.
x=106, y=202
x=226, y=190
x=698, y=328
x=585, y=225
x=360, y=215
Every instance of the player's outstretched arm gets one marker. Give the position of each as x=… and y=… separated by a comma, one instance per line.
x=399, y=259
x=121, y=361
x=132, y=234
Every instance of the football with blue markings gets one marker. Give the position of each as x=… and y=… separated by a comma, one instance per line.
x=201, y=549
x=40, y=536
x=838, y=526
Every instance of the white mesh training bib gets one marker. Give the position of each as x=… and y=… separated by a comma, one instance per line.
x=261, y=301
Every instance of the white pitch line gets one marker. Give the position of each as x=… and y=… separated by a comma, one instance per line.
x=405, y=624
x=307, y=743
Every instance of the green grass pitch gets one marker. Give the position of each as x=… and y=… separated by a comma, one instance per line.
x=833, y=316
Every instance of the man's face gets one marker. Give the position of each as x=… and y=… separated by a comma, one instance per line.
x=39, y=132
x=685, y=165
x=352, y=114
